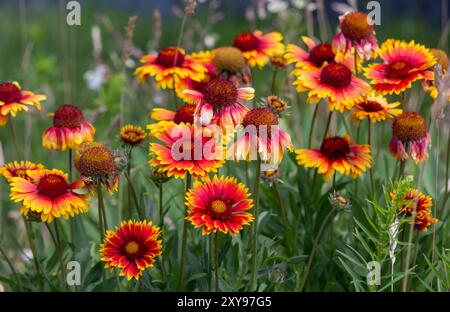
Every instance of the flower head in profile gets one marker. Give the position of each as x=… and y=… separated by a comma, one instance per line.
x=403, y=64
x=257, y=47
x=410, y=137
x=261, y=137
x=184, y=149
x=376, y=108
x=19, y=169
x=14, y=100
x=168, y=65
x=96, y=164
x=132, y=135
x=339, y=154
x=69, y=129
x=47, y=194
x=430, y=86
x=333, y=81
x=219, y=102
x=358, y=33
x=277, y=105
x=219, y=204
x=164, y=117
x=228, y=60
x=318, y=54
x=131, y=248
x=417, y=204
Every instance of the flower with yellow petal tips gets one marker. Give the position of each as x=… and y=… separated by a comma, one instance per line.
x=376, y=108
x=19, y=169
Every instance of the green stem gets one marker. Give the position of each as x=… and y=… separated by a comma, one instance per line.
x=14, y=139
x=313, y=251
x=281, y=206
x=129, y=183
x=161, y=226
x=30, y=237
x=141, y=285
x=369, y=135
x=446, y=194
x=184, y=240
x=11, y=267
x=135, y=198
x=274, y=79
x=316, y=109
x=216, y=258
x=100, y=211
x=57, y=242
x=253, y=278
x=328, y=126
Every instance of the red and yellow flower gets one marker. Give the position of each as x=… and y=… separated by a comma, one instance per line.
x=131, y=248
x=410, y=137
x=48, y=194
x=376, y=108
x=69, y=129
x=96, y=164
x=356, y=33
x=339, y=154
x=219, y=204
x=184, y=114
x=14, y=100
x=318, y=55
x=185, y=149
x=403, y=64
x=218, y=103
x=169, y=65
x=132, y=135
x=19, y=169
x=261, y=135
x=257, y=47
x=334, y=81
x=415, y=203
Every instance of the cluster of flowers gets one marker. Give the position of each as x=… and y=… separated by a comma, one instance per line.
x=213, y=85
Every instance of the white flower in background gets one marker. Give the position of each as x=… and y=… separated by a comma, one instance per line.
x=276, y=6
x=210, y=40
x=95, y=78
x=299, y=4
x=343, y=8
x=26, y=255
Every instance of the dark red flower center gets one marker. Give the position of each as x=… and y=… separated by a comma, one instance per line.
x=170, y=57
x=335, y=148
x=220, y=93
x=68, y=116
x=398, y=70
x=185, y=114
x=9, y=93
x=371, y=106
x=321, y=53
x=246, y=42
x=52, y=186
x=336, y=75
x=355, y=26
x=409, y=126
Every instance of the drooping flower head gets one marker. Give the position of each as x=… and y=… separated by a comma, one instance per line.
x=132, y=135
x=335, y=82
x=257, y=47
x=403, y=64
x=376, y=108
x=69, y=129
x=218, y=103
x=14, y=100
x=318, y=55
x=184, y=114
x=229, y=60
x=185, y=149
x=47, y=194
x=261, y=135
x=219, y=204
x=96, y=164
x=356, y=32
x=168, y=65
x=18, y=169
x=415, y=203
x=339, y=154
x=131, y=248
x=430, y=85
x=410, y=137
